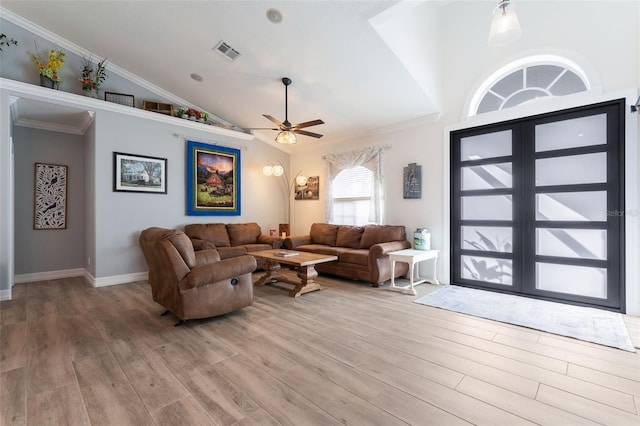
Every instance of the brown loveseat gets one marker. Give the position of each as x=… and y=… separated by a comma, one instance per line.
x=231, y=240
x=194, y=284
x=363, y=251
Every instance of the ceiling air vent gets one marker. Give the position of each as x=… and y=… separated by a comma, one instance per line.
x=227, y=51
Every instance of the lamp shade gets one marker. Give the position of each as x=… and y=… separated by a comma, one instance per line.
x=301, y=180
x=505, y=27
x=278, y=170
x=267, y=170
x=286, y=137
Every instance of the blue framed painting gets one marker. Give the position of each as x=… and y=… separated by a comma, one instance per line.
x=213, y=180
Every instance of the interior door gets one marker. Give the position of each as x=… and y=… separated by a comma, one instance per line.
x=537, y=206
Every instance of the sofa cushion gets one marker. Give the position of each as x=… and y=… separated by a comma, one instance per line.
x=257, y=247
x=322, y=249
x=357, y=257
x=324, y=233
x=228, y=252
x=213, y=232
x=349, y=236
x=374, y=234
x=183, y=244
x=243, y=233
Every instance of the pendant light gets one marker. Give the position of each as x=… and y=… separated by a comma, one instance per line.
x=505, y=27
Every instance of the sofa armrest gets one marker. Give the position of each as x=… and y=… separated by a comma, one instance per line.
x=199, y=244
x=383, y=249
x=218, y=271
x=273, y=241
x=207, y=256
x=294, y=241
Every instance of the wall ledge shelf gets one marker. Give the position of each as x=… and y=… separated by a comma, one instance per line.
x=19, y=90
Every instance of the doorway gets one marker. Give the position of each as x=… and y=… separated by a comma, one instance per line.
x=536, y=206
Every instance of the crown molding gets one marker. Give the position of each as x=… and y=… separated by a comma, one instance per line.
x=82, y=52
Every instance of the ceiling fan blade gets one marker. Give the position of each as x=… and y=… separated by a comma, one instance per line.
x=304, y=132
x=270, y=118
x=307, y=124
x=260, y=128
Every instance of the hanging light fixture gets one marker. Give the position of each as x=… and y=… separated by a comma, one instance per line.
x=286, y=137
x=505, y=27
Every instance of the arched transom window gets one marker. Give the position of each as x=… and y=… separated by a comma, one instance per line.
x=526, y=81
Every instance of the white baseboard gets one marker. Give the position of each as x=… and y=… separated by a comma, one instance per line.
x=116, y=279
x=49, y=275
x=5, y=295
x=78, y=272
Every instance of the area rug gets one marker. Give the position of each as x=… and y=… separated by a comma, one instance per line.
x=589, y=324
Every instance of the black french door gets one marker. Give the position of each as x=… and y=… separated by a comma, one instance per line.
x=537, y=206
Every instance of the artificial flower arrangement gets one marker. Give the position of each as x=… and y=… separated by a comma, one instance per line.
x=50, y=67
x=92, y=79
x=185, y=112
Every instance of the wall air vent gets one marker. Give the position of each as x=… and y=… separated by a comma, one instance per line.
x=227, y=51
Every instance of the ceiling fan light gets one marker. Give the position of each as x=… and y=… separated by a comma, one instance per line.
x=505, y=27
x=286, y=137
x=278, y=170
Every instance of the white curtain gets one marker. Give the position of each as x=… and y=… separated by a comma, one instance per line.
x=369, y=157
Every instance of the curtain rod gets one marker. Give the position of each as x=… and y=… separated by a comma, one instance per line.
x=209, y=141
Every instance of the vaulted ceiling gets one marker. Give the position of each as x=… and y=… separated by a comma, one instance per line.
x=357, y=65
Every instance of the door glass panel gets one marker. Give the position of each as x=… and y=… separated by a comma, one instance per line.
x=574, y=169
x=488, y=176
x=578, y=280
x=583, y=131
x=489, y=145
x=572, y=206
x=579, y=243
x=487, y=238
x=487, y=269
x=490, y=207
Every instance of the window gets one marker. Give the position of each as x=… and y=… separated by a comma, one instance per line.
x=352, y=191
x=527, y=80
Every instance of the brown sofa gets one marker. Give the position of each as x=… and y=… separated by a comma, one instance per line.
x=363, y=251
x=195, y=284
x=231, y=240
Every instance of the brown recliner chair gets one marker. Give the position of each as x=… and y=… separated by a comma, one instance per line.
x=194, y=284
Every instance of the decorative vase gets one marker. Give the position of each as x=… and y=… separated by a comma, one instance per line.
x=48, y=82
x=185, y=116
x=91, y=93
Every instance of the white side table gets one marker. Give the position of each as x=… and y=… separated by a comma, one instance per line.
x=412, y=257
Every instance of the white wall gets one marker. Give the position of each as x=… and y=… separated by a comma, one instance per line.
x=598, y=35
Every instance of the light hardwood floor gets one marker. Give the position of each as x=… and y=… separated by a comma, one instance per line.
x=350, y=354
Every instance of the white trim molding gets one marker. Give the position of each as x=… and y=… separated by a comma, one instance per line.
x=116, y=279
x=48, y=275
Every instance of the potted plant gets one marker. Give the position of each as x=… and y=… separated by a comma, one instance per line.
x=182, y=112
x=194, y=114
x=204, y=116
x=48, y=70
x=92, y=78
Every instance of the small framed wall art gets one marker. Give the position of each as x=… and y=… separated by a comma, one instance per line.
x=412, y=181
x=50, y=197
x=139, y=173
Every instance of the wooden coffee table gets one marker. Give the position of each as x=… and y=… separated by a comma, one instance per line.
x=303, y=262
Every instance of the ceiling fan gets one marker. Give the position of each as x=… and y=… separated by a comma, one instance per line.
x=288, y=131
